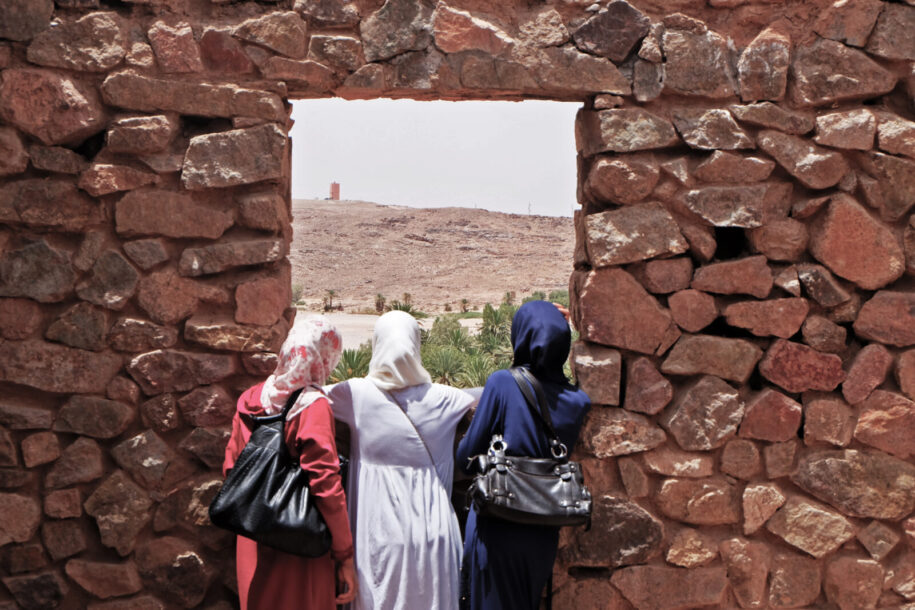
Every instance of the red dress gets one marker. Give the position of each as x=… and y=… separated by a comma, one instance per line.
x=269, y=579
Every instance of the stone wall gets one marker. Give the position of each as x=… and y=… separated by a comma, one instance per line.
x=742, y=279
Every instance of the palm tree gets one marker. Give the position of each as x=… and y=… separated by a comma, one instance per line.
x=329, y=299
x=465, y=305
x=380, y=301
x=353, y=363
x=477, y=369
x=445, y=364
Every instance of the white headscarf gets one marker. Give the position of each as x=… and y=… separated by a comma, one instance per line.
x=396, y=361
x=309, y=355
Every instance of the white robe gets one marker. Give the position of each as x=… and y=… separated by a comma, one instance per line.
x=406, y=535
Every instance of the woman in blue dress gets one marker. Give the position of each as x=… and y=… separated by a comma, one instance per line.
x=508, y=564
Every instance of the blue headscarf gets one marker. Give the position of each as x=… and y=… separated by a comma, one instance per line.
x=541, y=340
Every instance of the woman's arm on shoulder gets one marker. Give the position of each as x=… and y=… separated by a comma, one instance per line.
x=318, y=456
x=340, y=396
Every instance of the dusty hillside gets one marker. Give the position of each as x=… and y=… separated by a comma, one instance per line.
x=439, y=256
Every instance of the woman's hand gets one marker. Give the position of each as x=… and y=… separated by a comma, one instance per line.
x=346, y=581
x=564, y=311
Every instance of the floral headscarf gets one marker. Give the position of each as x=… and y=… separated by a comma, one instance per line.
x=309, y=355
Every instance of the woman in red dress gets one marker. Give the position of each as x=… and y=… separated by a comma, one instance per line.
x=269, y=579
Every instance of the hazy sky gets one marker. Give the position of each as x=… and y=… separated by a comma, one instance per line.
x=502, y=156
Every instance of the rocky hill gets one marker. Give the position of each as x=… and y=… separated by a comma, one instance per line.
x=439, y=256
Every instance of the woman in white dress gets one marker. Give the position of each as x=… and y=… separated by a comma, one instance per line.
x=406, y=535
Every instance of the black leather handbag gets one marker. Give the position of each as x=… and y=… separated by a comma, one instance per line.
x=266, y=496
x=533, y=491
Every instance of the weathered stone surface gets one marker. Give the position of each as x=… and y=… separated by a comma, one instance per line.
x=779, y=458
x=112, y=283
x=724, y=166
x=133, y=335
x=56, y=159
x=623, y=130
x=708, y=501
x=175, y=48
x=169, y=213
x=866, y=373
x=82, y=326
x=146, y=253
x=904, y=372
x=749, y=275
x=221, y=52
x=37, y=590
x=673, y=462
x=767, y=114
x=166, y=298
x=745, y=206
x=305, y=74
x=647, y=80
x=647, y=391
x=95, y=417
x=51, y=203
x=811, y=527
x=760, y=501
x=174, y=569
x=849, y=22
x=545, y=29
x=788, y=281
x=794, y=581
x=36, y=271
x=161, y=413
x=81, y=462
x=230, y=158
x=732, y=359
x=895, y=135
x=665, y=275
x=815, y=167
x=456, y=31
x=886, y=421
x=283, y=32
x=63, y=504
x=90, y=248
x=590, y=593
x=698, y=63
x=856, y=246
x=15, y=158
x=827, y=71
x=740, y=459
x=39, y=448
x=887, y=317
x=747, y=564
x=821, y=286
x=207, y=444
x=63, y=538
x=892, y=37
x=124, y=390
x=146, y=94
x=624, y=179
x=847, y=129
x=261, y=301
x=692, y=310
x=624, y=534
x=827, y=420
x=690, y=548
x=874, y=485
x=631, y=234
x=779, y=317
x=121, y=509
x=798, y=368
x=710, y=129
x=637, y=321
x=636, y=482
x=225, y=334
x=853, y=583
x=31, y=100
x=19, y=318
x=177, y=371
x=780, y=240
x=225, y=256
x=259, y=364
x=894, y=186
x=328, y=12
x=340, y=51
x=705, y=416
x=141, y=135
x=207, y=406
x=878, y=538
x=151, y=461
x=23, y=19
x=55, y=368
x=598, y=369
x=612, y=32
x=104, y=580
x=656, y=588
x=263, y=211
x=398, y=26
x=94, y=43
x=22, y=515
x=613, y=432
x=17, y=414
x=762, y=69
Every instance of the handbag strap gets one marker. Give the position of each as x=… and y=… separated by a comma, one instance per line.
x=421, y=439
x=537, y=402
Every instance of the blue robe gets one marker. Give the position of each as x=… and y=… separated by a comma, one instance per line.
x=508, y=564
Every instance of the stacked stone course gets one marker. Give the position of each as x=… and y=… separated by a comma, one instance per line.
x=742, y=279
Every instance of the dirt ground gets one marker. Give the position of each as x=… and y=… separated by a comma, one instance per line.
x=438, y=256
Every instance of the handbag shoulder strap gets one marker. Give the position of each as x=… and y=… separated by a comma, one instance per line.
x=525, y=380
x=421, y=439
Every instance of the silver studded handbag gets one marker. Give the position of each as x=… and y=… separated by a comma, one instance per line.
x=534, y=491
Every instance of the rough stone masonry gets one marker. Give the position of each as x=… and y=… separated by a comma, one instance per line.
x=743, y=279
